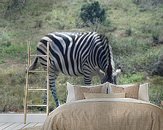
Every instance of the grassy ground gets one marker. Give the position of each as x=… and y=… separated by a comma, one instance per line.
x=130, y=29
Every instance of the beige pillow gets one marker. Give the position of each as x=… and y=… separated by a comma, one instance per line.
x=143, y=92
x=71, y=96
x=79, y=91
x=103, y=95
x=70, y=93
x=131, y=90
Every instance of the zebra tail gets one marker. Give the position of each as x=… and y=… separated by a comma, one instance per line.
x=34, y=65
x=110, y=69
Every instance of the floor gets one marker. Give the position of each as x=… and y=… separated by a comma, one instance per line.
x=14, y=121
x=17, y=126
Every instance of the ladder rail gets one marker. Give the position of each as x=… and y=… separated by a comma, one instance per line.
x=36, y=89
x=27, y=89
x=37, y=71
x=31, y=105
x=47, y=108
x=38, y=55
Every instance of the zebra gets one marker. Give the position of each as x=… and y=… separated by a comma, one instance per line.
x=75, y=54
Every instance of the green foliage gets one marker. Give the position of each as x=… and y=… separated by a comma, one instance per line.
x=155, y=36
x=5, y=39
x=9, y=51
x=134, y=55
x=12, y=82
x=14, y=7
x=92, y=13
x=128, y=32
x=12, y=50
x=133, y=29
x=11, y=98
x=128, y=46
x=147, y=2
x=156, y=90
x=146, y=28
x=3, y=24
x=131, y=78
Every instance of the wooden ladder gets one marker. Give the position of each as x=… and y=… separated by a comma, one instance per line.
x=28, y=89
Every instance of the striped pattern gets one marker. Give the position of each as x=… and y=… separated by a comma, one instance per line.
x=76, y=54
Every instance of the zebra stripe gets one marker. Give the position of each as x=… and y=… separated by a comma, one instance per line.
x=75, y=54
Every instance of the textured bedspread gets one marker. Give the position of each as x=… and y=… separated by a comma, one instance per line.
x=106, y=114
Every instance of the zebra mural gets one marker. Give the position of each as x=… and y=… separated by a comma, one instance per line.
x=76, y=54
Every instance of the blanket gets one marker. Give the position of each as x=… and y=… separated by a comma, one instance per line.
x=106, y=114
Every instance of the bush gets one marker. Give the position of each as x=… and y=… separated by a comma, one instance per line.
x=92, y=13
x=14, y=6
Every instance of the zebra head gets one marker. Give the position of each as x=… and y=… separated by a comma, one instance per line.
x=108, y=77
x=111, y=76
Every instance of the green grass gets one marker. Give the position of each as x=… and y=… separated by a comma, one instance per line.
x=156, y=90
x=155, y=85
x=131, y=78
x=130, y=29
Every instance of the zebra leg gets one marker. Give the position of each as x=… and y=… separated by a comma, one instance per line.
x=52, y=78
x=87, y=79
x=87, y=75
x=52, y=84
x=54, y=92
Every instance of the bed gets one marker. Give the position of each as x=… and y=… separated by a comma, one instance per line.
x=105, y=114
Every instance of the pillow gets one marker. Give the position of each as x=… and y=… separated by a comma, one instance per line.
x=71, y=96
x=143, y=92
x=70, y=91
x=79, y=91
x=103, y=95
x=130, y=90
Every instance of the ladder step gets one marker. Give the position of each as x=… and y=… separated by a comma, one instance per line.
x=36, y=89
x=36, y=105
x=37, y=71
x=39, y=55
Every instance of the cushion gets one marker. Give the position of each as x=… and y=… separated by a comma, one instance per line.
x=70, y=91
x=143, y=92
x=76, y=92
x=79, y=91
x=130, y=90
x=103, y=95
